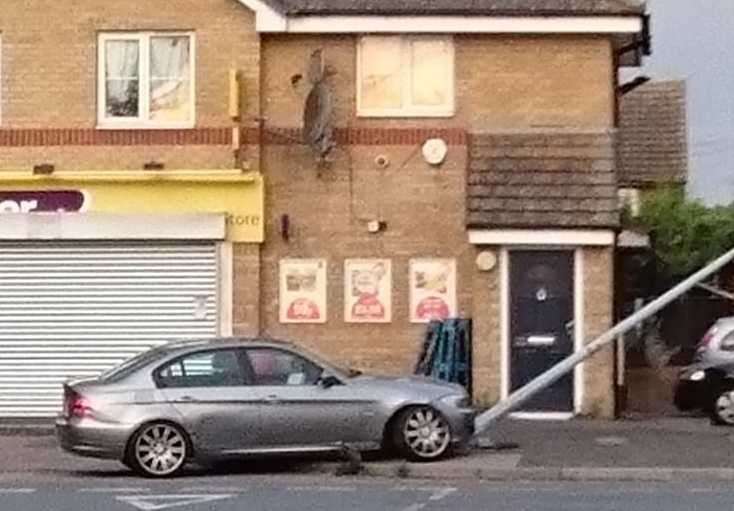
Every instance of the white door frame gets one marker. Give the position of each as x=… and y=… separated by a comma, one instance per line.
x=225, y=288
x=578, y=310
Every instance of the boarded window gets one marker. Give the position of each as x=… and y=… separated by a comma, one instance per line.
x=405, y=76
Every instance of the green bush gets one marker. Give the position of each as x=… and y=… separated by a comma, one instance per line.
x=686, y=233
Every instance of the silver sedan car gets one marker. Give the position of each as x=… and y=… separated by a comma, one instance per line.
x=223, y=398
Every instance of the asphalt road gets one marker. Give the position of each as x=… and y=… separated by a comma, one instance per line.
x=290, y=493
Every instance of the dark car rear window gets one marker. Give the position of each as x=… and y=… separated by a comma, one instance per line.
x=131, y=365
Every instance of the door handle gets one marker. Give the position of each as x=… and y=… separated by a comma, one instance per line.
x=187, y=399
x=272, y=398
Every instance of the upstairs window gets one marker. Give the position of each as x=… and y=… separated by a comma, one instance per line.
x=405, y=76
x=146, y=80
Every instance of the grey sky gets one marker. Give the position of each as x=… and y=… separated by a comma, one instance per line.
x=694, y=40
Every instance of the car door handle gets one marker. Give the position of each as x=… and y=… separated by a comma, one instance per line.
x=272, y=398
x=187, y=399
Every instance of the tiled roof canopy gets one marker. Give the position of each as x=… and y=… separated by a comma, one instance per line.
x=462, y=7
x=652, y=135
x=542, y=180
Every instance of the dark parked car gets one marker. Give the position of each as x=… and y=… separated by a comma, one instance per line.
x=707, y=387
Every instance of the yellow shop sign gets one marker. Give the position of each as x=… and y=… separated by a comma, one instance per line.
x=237, y=195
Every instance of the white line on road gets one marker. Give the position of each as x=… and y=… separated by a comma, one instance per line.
x=112, y=490
x=322, y=488
x=17, y=490
x=441, y=494
x=438, y=493
x=155, y=502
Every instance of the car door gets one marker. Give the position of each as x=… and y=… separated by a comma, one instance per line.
x=297, y=411
x=211, y=391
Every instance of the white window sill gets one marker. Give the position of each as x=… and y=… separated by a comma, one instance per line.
x=405, y=114
x=145, y=126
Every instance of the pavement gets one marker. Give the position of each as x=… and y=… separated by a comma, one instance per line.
x=665, y=449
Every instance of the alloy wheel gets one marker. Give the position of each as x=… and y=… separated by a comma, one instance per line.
x=725, y=406
x=426, y=433
x=160, y=449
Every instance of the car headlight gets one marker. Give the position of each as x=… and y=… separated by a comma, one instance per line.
x=457, y=400
x=697, y=375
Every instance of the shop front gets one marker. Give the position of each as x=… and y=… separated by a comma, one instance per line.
x=96, y=267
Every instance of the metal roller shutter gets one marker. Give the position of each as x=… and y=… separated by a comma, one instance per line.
x=76, y=309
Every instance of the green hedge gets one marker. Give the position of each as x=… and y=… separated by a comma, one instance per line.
x=686, y=233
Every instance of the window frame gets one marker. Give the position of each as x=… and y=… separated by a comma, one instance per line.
x=143, y=120
x=254, y=376
x=410, y=110
x=242, y=361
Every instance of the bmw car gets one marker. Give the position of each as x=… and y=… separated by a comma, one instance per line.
x=226, y=398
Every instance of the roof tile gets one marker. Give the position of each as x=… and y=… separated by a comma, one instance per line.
x=652, y=142
x=463, y=7
x=542, y=180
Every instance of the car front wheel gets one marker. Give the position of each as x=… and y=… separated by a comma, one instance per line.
x=722, y=411
x=421, y=433
x=159, y=449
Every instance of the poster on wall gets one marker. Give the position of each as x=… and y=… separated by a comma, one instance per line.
x=432, y=289
x=302, y=290
x=367, y=291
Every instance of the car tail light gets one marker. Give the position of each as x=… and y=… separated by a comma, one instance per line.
x=75, y=405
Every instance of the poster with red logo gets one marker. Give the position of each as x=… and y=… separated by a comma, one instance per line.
x=367, y=291
x=432, y=289
x=302, y=290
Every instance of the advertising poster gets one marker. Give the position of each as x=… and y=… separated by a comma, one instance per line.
x=367, y=291
x=432, y=289
x=303, y=291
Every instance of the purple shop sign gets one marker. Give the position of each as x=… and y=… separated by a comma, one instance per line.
x=42, y=201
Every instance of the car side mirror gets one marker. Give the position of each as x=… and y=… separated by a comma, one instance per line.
x=329, y=381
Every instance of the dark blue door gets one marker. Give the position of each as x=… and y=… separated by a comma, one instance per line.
x=541, y=323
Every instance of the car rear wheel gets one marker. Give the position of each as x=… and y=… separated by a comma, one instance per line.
x=421, y=433
x=722, y=411
x=158, y=449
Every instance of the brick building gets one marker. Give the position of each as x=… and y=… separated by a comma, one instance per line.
x=465, y=167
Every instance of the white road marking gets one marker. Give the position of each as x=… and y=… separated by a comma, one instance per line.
x=155, y=502
x=441, y=494
x=112, y=490
x=437, y=493
x=17, y=490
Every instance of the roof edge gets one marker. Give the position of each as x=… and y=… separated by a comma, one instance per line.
x=274, y=16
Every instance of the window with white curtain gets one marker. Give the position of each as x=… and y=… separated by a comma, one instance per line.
x=405, y=76
x=146, y=79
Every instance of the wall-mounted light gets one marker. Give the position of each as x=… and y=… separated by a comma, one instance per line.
x=375, y=226
x=44, y=169
x=154, y=165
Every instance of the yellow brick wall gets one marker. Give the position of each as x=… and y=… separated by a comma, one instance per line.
x=598, y=371
x=502, y=82
x=49, y=74
x=329, y=209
